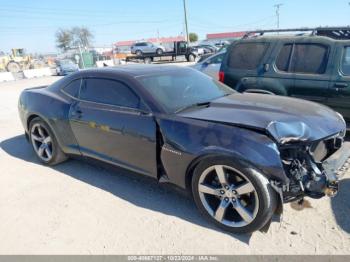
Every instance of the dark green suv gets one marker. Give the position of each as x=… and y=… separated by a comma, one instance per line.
x=314, y=67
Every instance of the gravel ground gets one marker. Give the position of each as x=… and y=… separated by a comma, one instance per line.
x=80, y=208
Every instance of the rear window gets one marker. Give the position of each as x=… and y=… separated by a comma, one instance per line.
x=309, y=59
x=247, y=56
x=346, y=61
x=73, y=88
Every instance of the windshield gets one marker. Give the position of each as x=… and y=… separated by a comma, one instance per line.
x=182, y=88
x=66, y=62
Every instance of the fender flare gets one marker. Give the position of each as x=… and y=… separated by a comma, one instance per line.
x=34, y=115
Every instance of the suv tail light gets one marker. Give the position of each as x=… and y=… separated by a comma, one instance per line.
x=221, y=76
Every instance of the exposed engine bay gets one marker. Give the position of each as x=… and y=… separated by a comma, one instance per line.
x=305, y=168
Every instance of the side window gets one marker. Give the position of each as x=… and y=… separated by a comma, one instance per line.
x=109, y=92
x=73, y=88
x=283, y=58
x=247, y=55
x=217, y=59
x=182, y=45
x=345, y=67
x=309, y=59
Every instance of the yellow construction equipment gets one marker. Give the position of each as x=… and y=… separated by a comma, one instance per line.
x=18, y=61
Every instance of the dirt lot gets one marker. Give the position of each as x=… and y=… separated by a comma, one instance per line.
x=78, y=208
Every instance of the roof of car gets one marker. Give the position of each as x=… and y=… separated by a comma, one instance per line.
x=134, y=70
x=274, y=37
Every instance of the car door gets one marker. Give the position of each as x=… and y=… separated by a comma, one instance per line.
x=149, y=48
x=339, y=88
x=310, y=66
x=111, y=123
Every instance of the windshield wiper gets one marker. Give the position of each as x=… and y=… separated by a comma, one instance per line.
x=192, y=106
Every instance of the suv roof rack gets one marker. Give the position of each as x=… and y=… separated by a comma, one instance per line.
x=339, y=33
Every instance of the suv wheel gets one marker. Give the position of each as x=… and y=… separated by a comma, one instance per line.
x=238, y=200
x=138, y=52
x=159, y=51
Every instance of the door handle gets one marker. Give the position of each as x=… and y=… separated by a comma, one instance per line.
x=266, y=68
x=341, y=85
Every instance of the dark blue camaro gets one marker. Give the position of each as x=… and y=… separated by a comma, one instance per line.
x=240, y=155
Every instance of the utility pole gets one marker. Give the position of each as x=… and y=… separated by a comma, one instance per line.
x=186, y=27
x=278, y=6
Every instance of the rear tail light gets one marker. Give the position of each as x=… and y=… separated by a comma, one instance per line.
x=221, y=76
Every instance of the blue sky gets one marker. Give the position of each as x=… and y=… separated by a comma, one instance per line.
x=32, y=24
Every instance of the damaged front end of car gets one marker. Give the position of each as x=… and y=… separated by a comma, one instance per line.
x=312, y=164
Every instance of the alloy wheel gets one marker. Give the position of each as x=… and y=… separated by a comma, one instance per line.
x=42, y=142
x=228, y=196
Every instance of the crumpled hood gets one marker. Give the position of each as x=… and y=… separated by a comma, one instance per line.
x=286, y=119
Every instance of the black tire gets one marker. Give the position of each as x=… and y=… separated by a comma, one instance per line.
x=13, y=67
x=159, y=51
x=267, y=197
x=191, y=58
x=138, y=52
x=147, y=60
x=58, y=156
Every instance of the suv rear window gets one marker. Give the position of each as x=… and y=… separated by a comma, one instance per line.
x=345, y=68
x=247, y=56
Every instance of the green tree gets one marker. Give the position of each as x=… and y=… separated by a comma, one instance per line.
x=64, y=39
x=82, y=36
x=71, y=38
x=193, y=37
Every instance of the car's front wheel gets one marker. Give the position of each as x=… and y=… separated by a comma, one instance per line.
x=235, y=198
x=44, y=143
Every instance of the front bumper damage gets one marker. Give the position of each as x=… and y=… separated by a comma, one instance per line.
x=313, y=170
x=339, y=163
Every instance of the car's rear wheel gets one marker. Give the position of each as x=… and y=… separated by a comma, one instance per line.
x=236, y=199
x=138, y=52
x=191, y=58
x=44, y=143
